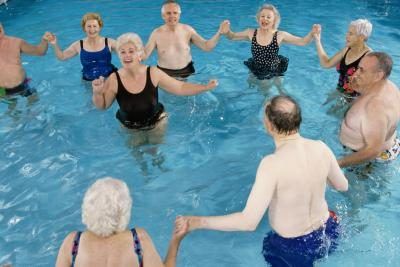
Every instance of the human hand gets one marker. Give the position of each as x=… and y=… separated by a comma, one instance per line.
x=212, y=84
x=98, y=85
x=316, y=31
x=48, y=37
x=225, y=27
x=181, y=228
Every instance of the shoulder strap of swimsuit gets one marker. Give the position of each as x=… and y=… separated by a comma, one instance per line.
x=255, y=33
x=106, y=41
x=81, y=42
x=75, y=247
x=137, y=246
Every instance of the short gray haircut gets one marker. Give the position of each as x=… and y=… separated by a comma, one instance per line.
x=273, y=9
x=384, y=64
x=170, y=2
x=106, y=207
x=132, y=38
x=363, y=27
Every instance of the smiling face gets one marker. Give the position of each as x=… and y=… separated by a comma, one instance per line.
x=266, y=19
x=367, y=73
x=128, y=54
x=92, y=28
x=171, y=14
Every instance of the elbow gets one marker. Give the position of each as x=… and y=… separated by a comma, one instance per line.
x=344, y=187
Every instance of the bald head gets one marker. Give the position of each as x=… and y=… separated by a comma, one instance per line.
x=284, y=114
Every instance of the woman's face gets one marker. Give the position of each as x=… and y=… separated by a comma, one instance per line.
x=266, y=19
x=92, y=28
x=352, y=37
x=128, y=54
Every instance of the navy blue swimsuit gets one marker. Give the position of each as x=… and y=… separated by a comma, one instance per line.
x=266, y=63
x=96, y=64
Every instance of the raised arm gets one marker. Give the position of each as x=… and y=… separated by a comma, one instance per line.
x=176, y=87
x=236, y=36
x=112, y=44
x=373, y=129
x=324, y=60
x=180, y=230
x=206, y=45
x=104, y=92
x=295, y=40
x=256, y=206
x=71, y=51
x=36, y=50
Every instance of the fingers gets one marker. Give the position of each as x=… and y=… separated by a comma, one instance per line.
x=212, y=83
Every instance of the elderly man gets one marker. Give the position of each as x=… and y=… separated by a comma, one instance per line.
x=291, y=184
x=172, y=41
x=12, y=75
x=369, y=127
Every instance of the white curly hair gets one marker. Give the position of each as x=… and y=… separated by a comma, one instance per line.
x=132, y=38
x=363, y=27
x=106, y=207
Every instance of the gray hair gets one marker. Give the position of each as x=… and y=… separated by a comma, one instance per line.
x=363, y=27
x=385, y=63
x=170, y=2
x=273, y=9
x=106, y=207
x=132, y=38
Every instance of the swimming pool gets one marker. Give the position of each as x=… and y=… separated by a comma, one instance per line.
x=54, y=148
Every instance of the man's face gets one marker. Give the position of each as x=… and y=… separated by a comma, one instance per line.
x=171, y=14
x=366, y=74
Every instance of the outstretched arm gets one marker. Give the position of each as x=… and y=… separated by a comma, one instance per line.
x=176, y=87
x=373, y=129
x=248, y=219
x=38, y=50
x=324, y=60
x=180, y=230
x=71, y=51
x=104, y=92
x=206, y=45
x=295, y=40
x=236, y=36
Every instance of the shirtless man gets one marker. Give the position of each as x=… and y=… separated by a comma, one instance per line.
x=369, y=127
x=12, y=75
x=291, y=184
x=172, y=41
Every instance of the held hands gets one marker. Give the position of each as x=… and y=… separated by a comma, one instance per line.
x=225, y=27
x=98, y=86
x=316, y=32
x=181, y=228
x=50, y=38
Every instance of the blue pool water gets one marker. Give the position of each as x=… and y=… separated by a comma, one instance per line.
x=53, y=149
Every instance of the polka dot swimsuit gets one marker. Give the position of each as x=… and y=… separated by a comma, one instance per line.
x=266, y=63
x=265, y=55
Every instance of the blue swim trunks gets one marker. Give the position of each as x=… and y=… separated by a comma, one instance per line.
x=303, y=250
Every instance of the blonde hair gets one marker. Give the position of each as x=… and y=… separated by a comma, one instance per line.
x=106, y=207
x=133, y=38
x=91, y=16
x=273, y=9
x=363, y=27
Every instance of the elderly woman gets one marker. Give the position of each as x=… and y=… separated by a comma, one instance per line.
x=265, y=62
x=106, y=211
x=94, y=50
x=135, y=86
x=347, y=59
